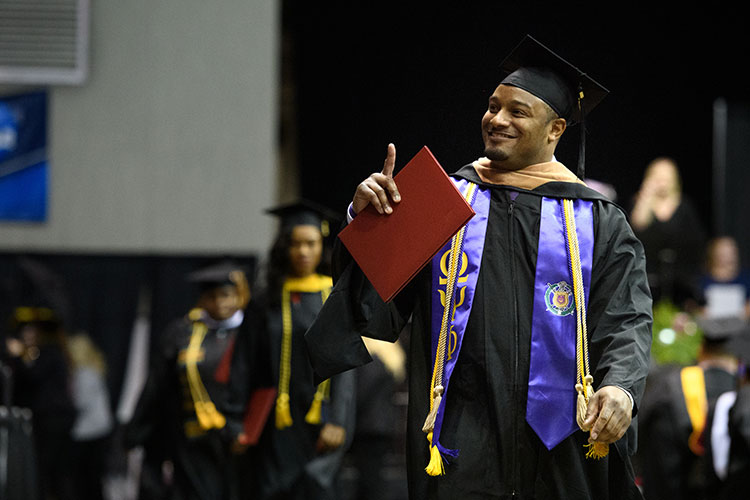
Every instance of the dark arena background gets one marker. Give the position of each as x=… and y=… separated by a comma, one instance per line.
x=420, y=74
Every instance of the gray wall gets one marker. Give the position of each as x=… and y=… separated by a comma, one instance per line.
x=170, y=145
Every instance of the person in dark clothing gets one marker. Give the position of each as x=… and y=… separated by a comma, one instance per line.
x=378, y=424
x=673, y=235
x=42, y=383
x=304, y=441
x=178, y=416
x=675, y=415
x=510, y=418
x=726, y=436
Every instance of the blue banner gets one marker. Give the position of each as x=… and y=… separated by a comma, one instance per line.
x=23, y=157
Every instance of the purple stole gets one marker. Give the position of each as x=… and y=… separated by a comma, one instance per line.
x=553, y=362
x=551, y=402
x=463, y=294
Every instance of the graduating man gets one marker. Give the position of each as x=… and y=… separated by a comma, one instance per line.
x=524, y=381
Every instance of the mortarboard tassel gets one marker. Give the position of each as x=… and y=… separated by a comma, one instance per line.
x=582, y=141
x=243, y=288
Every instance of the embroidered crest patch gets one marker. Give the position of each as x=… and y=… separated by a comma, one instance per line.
x=559, y=298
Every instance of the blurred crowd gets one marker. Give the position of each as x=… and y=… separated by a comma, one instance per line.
x=230, y=407
x=693, y=432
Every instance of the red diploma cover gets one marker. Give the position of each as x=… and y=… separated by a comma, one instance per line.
x=258, y=408
x=391, y=249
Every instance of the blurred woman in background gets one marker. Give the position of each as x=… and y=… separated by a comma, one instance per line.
x=307, y=435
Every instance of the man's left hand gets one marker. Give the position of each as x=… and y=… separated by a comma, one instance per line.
x=331, y=437
x=608, y=414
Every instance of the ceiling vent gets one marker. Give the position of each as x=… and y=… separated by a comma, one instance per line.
x=44, y=42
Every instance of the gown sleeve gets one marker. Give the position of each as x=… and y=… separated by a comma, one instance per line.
x=353, y=309
x=619, y=311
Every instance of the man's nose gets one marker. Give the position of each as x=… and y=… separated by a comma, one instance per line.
x=500, y=119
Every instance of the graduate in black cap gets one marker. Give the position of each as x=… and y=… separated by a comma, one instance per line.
x=531, y=329
x=674, y=433
x=728, y=432
x=179, y=414
x=311, y=424
x=36, y=353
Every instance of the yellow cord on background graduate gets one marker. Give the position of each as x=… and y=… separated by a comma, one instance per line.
x=312, y=283
x=205, y=410
x=584, y=380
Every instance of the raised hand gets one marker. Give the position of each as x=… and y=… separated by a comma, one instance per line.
x=379, y=189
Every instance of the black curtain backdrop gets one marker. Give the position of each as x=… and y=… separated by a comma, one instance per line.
x=733, y=202
x=416, y=73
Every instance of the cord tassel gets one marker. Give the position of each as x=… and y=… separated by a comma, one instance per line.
x=283, y=414
x=597, y=450
x=437, y=397
x=314, y=414
x=585, y=392
x=435, y=467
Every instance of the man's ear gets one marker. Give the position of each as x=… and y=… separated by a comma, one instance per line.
x=556, y=129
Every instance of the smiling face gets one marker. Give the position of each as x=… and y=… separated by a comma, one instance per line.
x=305, y=250
x=519, y=129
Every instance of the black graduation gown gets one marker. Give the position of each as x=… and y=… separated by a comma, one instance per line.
x=674, y=253
x=500, y=456
x=737, y=483
x=203, y=465
x=18, y=463
x=290, y=466
x=43, y=386
x=670, y=469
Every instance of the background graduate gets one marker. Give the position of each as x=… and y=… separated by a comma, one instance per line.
x=178, y=417
x=312, y=423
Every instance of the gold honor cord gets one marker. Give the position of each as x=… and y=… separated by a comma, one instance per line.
x=694, y=391
x=312, y=283
x=584, y=380
x=435, y=467
x=205, y=410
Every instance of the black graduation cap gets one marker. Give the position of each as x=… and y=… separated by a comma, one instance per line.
x=35, y=314
x=570, y=92
x=729, y=330
x=216, y=275
x=305, y=213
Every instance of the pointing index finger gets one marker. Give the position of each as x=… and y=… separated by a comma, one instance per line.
x=390, y=161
